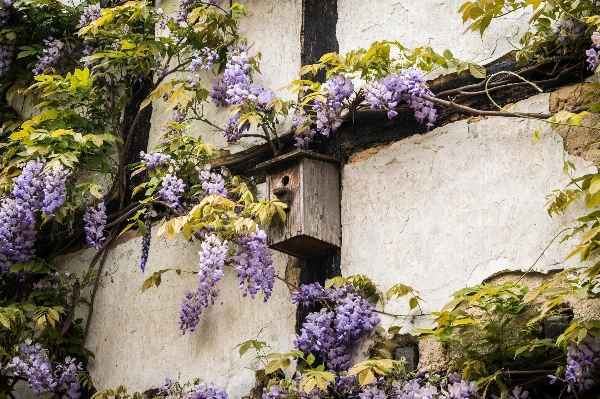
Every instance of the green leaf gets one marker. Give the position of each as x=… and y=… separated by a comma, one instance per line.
x=413, y=303
x=337, y=281
x=308, y=384
x=130, y=225
x=593, y=271
x=149, y=282
x=272, y=366
x=17, y=267
x=244, y=347
x=398, y=290
x=96, y=191
x=142, y=227
x=593, y=200
x=310, y=359
x=483, y=24
x=365, y=377
x=448, y=54
x=238, y=11
x=393, y=330
x=477, y=71
x=5, y=321
x=537, y=133
x=581, y=335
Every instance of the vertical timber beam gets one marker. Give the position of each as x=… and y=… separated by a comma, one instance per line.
x=318, y=37
x=141, y=133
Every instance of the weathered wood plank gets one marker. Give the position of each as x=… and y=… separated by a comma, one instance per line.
x=311, y=187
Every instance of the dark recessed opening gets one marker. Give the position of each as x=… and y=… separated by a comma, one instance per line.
x=285, y=180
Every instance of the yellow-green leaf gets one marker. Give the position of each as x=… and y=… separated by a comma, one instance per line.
x=477, y=70
x=309, y=384
x=366, y=377
x=272, y=366
x=4, y=320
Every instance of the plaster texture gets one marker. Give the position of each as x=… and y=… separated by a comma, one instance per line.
x=429, y=22
x=136, y=338
x=449, y=208
x=272, y=29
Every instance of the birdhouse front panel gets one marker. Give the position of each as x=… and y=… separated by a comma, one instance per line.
x=310, y=186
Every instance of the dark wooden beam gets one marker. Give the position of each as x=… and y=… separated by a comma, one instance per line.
x=319, y=36
x=368, y=129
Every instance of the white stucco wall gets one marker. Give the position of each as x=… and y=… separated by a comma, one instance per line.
x=428, y=22
x=272, y=29
x=447, y=209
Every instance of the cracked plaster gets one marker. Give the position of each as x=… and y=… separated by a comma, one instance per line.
x=434, y=23
x=449, y=208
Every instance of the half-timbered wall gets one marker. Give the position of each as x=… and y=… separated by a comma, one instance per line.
x=438, y=210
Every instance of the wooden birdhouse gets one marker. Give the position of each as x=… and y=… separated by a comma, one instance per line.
x=309, y=184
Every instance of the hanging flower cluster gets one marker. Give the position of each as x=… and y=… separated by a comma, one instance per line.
x=34, y=191
x=33, y=365
x=236, y=88
x=334, y=331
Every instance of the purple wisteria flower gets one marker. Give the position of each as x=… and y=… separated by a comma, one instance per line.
x=7, y=52
x=372, y=391
x=236, y=88
x=308, y=295
x=90, y=14
x=185, y=7
x=5, y=12
x=50, y=55
x=146, y=243
x=425, y=385
x=301, y=126
x=18, y=214
x=254, y=265
x=155, y=159
x=335, y=330
x=29, y=185
x=594, y=52
x=212, y=261
x=583, y=360
x=171, y=190
x=568, y=28
x=174, y=390
x=212, y=183
x=95, y=221
x=33, y=364
x=336, y=91
x=593, y=57
x=66, y=377
x=55, y=189
x=406, y=87
x=204, y=60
